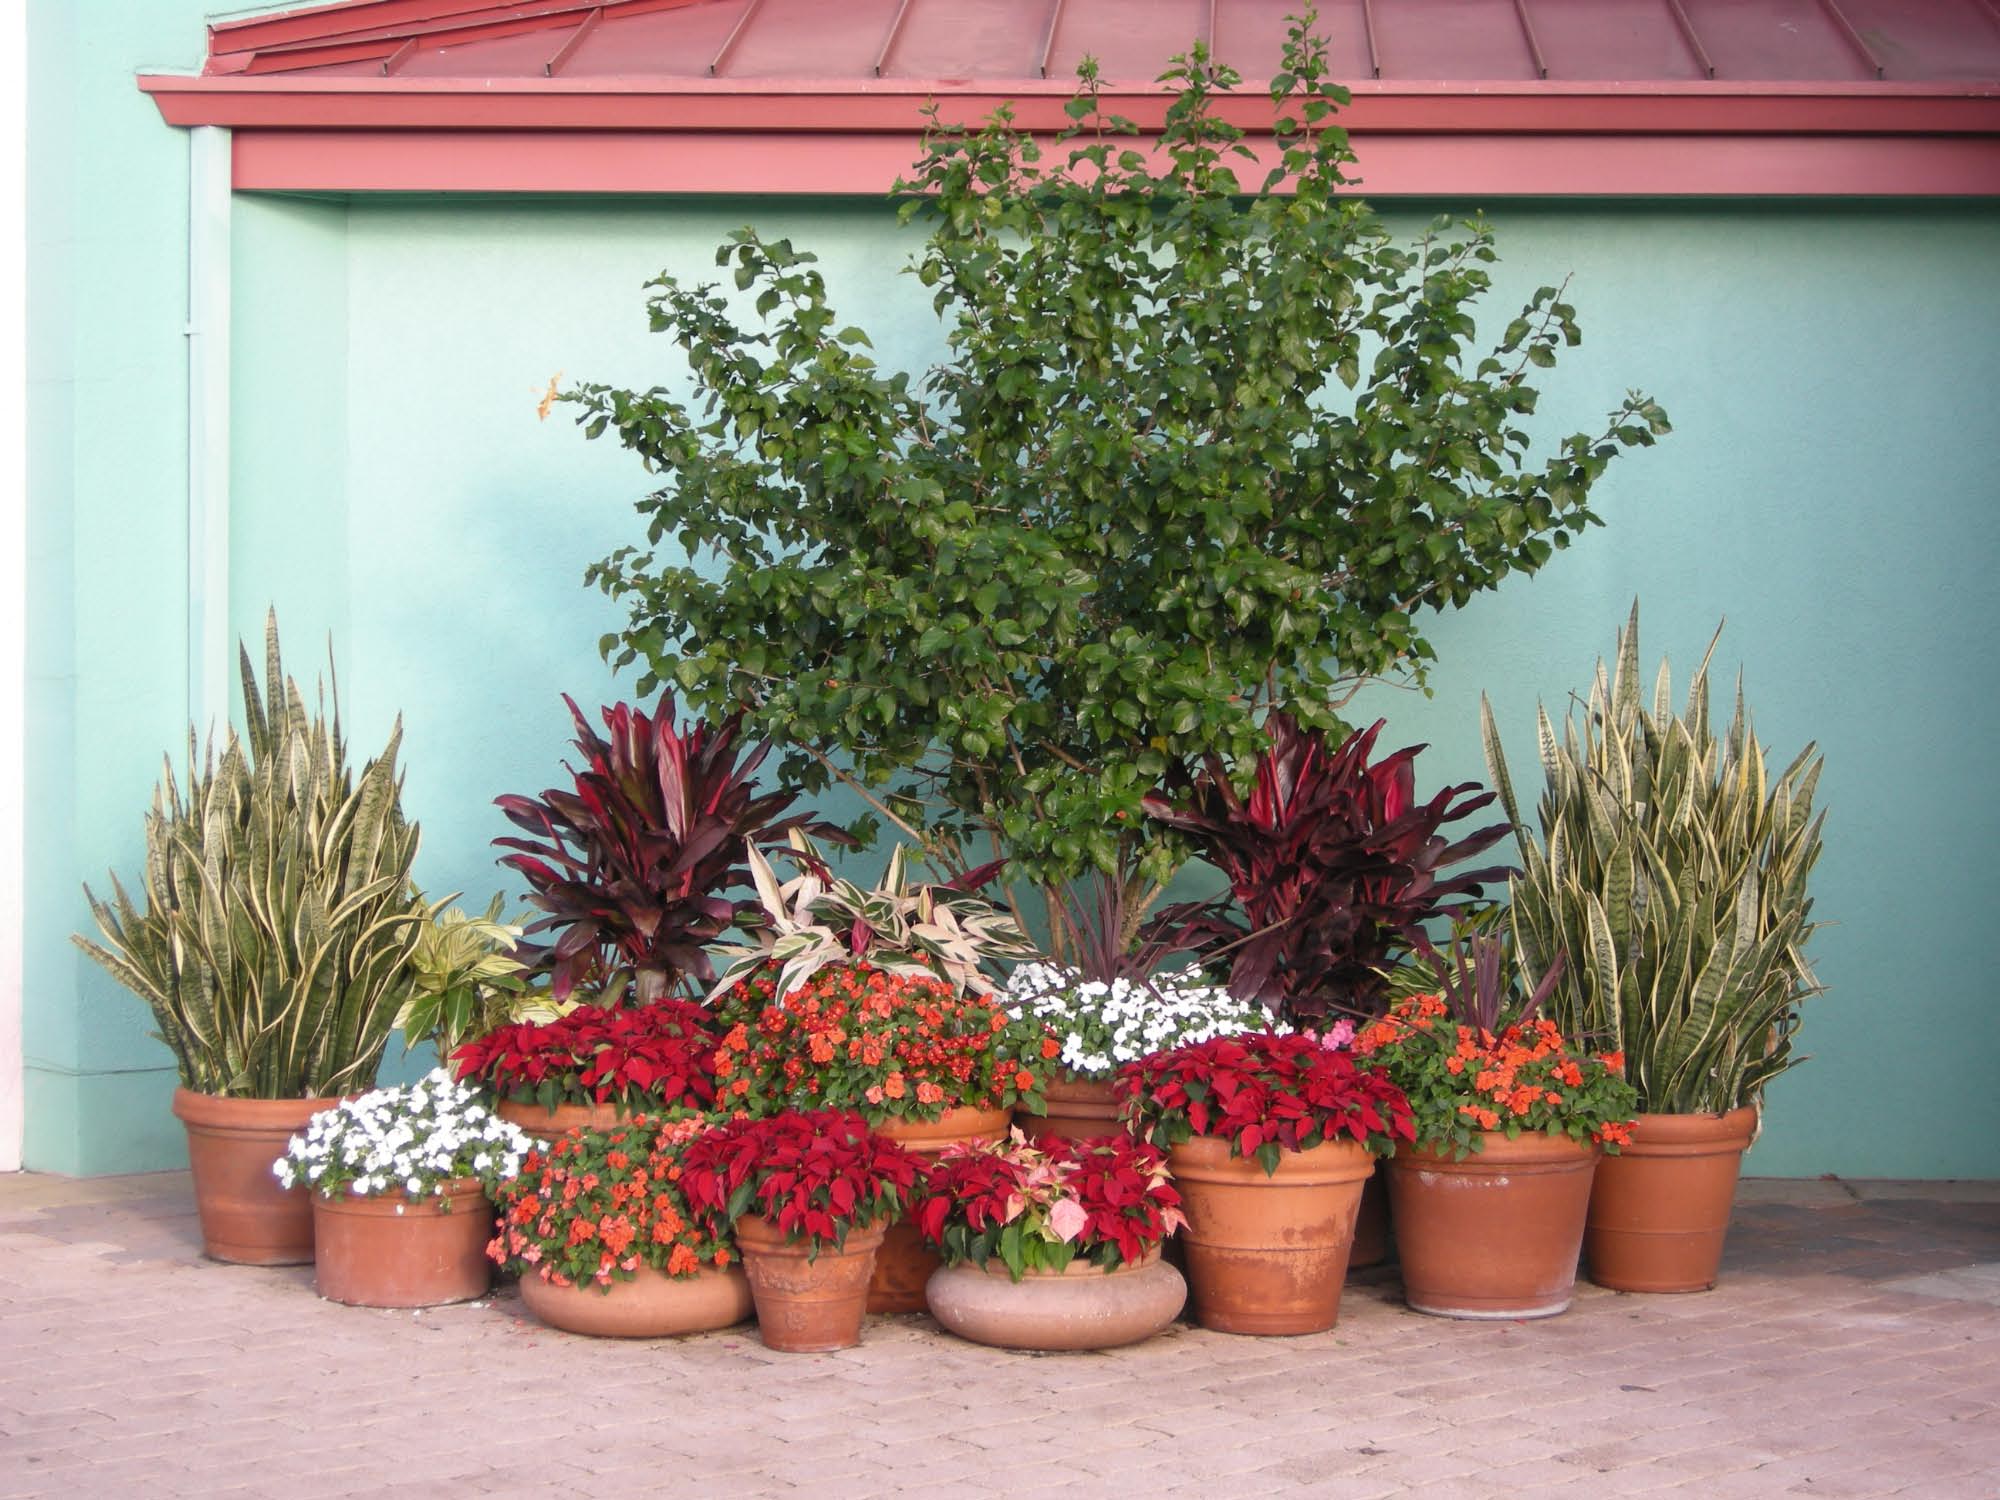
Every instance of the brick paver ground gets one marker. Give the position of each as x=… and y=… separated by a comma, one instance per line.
x=1852, y=1350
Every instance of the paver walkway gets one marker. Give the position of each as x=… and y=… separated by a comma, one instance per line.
x=1853, y=1349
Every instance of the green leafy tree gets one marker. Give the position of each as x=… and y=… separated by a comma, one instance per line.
x=1196, y=452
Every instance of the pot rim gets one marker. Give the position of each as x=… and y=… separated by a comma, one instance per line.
x=231, y=1111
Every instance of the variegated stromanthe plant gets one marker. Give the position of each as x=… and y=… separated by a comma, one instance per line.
x=278, y=922
x=1671, y=874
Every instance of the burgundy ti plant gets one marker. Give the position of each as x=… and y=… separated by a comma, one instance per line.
x=631, y=863
x=1332, y=864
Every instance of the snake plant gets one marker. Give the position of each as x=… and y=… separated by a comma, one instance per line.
x=278, y=921
x=1671, y=875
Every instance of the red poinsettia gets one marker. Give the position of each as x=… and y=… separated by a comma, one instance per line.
x=817, y=1174
x=1039, y=1207
x=1263, y=1093
x=651, y=1057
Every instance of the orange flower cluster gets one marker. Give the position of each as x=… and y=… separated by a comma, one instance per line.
x=1524, y=1078
x=594, y=1206
x=889, y=1045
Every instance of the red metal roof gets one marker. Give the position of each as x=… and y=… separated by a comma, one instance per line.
x=1541, y=96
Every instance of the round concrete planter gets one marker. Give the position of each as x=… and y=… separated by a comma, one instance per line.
x=652, y=1305
x=1081, y=1307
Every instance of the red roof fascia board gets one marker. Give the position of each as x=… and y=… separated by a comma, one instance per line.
x=1394, y=164
x=895, y=106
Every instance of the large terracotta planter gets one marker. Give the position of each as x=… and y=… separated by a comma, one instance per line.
x=652, y=1305
x=1660, y=1210
x=246, y=1217
x=546, y=1125
x=806, y=1304
x=397, y=1251
x=1497, y=1234
x=1268, y=1254
x=1371, y=1225
x=904, y=1263
x=1082, y=1307
x=1077, y=1110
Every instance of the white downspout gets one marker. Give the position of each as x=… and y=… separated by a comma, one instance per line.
x=13, y=576
x=208, y=656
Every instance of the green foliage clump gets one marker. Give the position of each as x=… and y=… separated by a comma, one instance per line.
x=1198, y=451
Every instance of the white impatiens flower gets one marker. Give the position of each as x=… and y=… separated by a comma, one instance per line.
x=1101, y=1025
x=415, y=1140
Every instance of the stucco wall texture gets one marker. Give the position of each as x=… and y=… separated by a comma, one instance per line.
x=1829, y=488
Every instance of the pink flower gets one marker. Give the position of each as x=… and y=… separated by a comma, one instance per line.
x=1067, y=1219
x=1337, y=1035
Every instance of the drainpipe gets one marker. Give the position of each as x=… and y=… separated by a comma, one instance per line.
x=13, y=579
x=207, y=332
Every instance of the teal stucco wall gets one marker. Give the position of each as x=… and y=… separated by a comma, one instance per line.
x=1829, y=488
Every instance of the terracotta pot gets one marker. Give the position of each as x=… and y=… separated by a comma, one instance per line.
x=1371, y=1225
x=1660, y=1210
x=807, y=1305
x=397, y=1251
x=1497, y=1234
x=1267, y=1254
x=1082, y=1307
x=1077, y=1111
x=905, y=1263
x=246, y=1217
x=652, y=1305
x=547, y=1125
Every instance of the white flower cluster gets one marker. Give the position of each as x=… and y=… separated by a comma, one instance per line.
x=1102, y=1025
x=411, y=1140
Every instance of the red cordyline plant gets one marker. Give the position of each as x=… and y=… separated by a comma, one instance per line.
x=816, y=1174
x=645, y=1057
x=631, y=864
x=1264, y=1094
x=595, y=1206
x=1332, y=864
x=1040, y=1207
x=892, y=1045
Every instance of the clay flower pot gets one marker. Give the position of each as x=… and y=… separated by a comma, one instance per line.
x=393, y=1250
x=1660, y=1210
x=546, y=1125
x=1077, y=1110
x=1081, y=1307
x=246, y=1217
x=1497, y=1234
x=807, y=1305
x=904, y=1263
x=652, y=1305
x=1268, y=1254
x=1371, y=1225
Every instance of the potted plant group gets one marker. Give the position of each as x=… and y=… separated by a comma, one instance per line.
x=926, y=1065
x=400, y=1180
x=595, y=1065
x=1052, y=1245
x=273, y=947
x=1677, y=867
x=1269, y=1139
x=606, y=1243
x=807, y=1195
x=1490, y=1198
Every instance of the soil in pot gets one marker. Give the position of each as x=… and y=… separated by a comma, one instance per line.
x=652, y=1305
x=393, y=1250
x=904, y=1263
x=246, y=1216
x=1497, y=1234
x=1081, y=1307
x=1266, y=1254
x=807, y=1304
x=1659, y=1212
x=1077, y=1110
